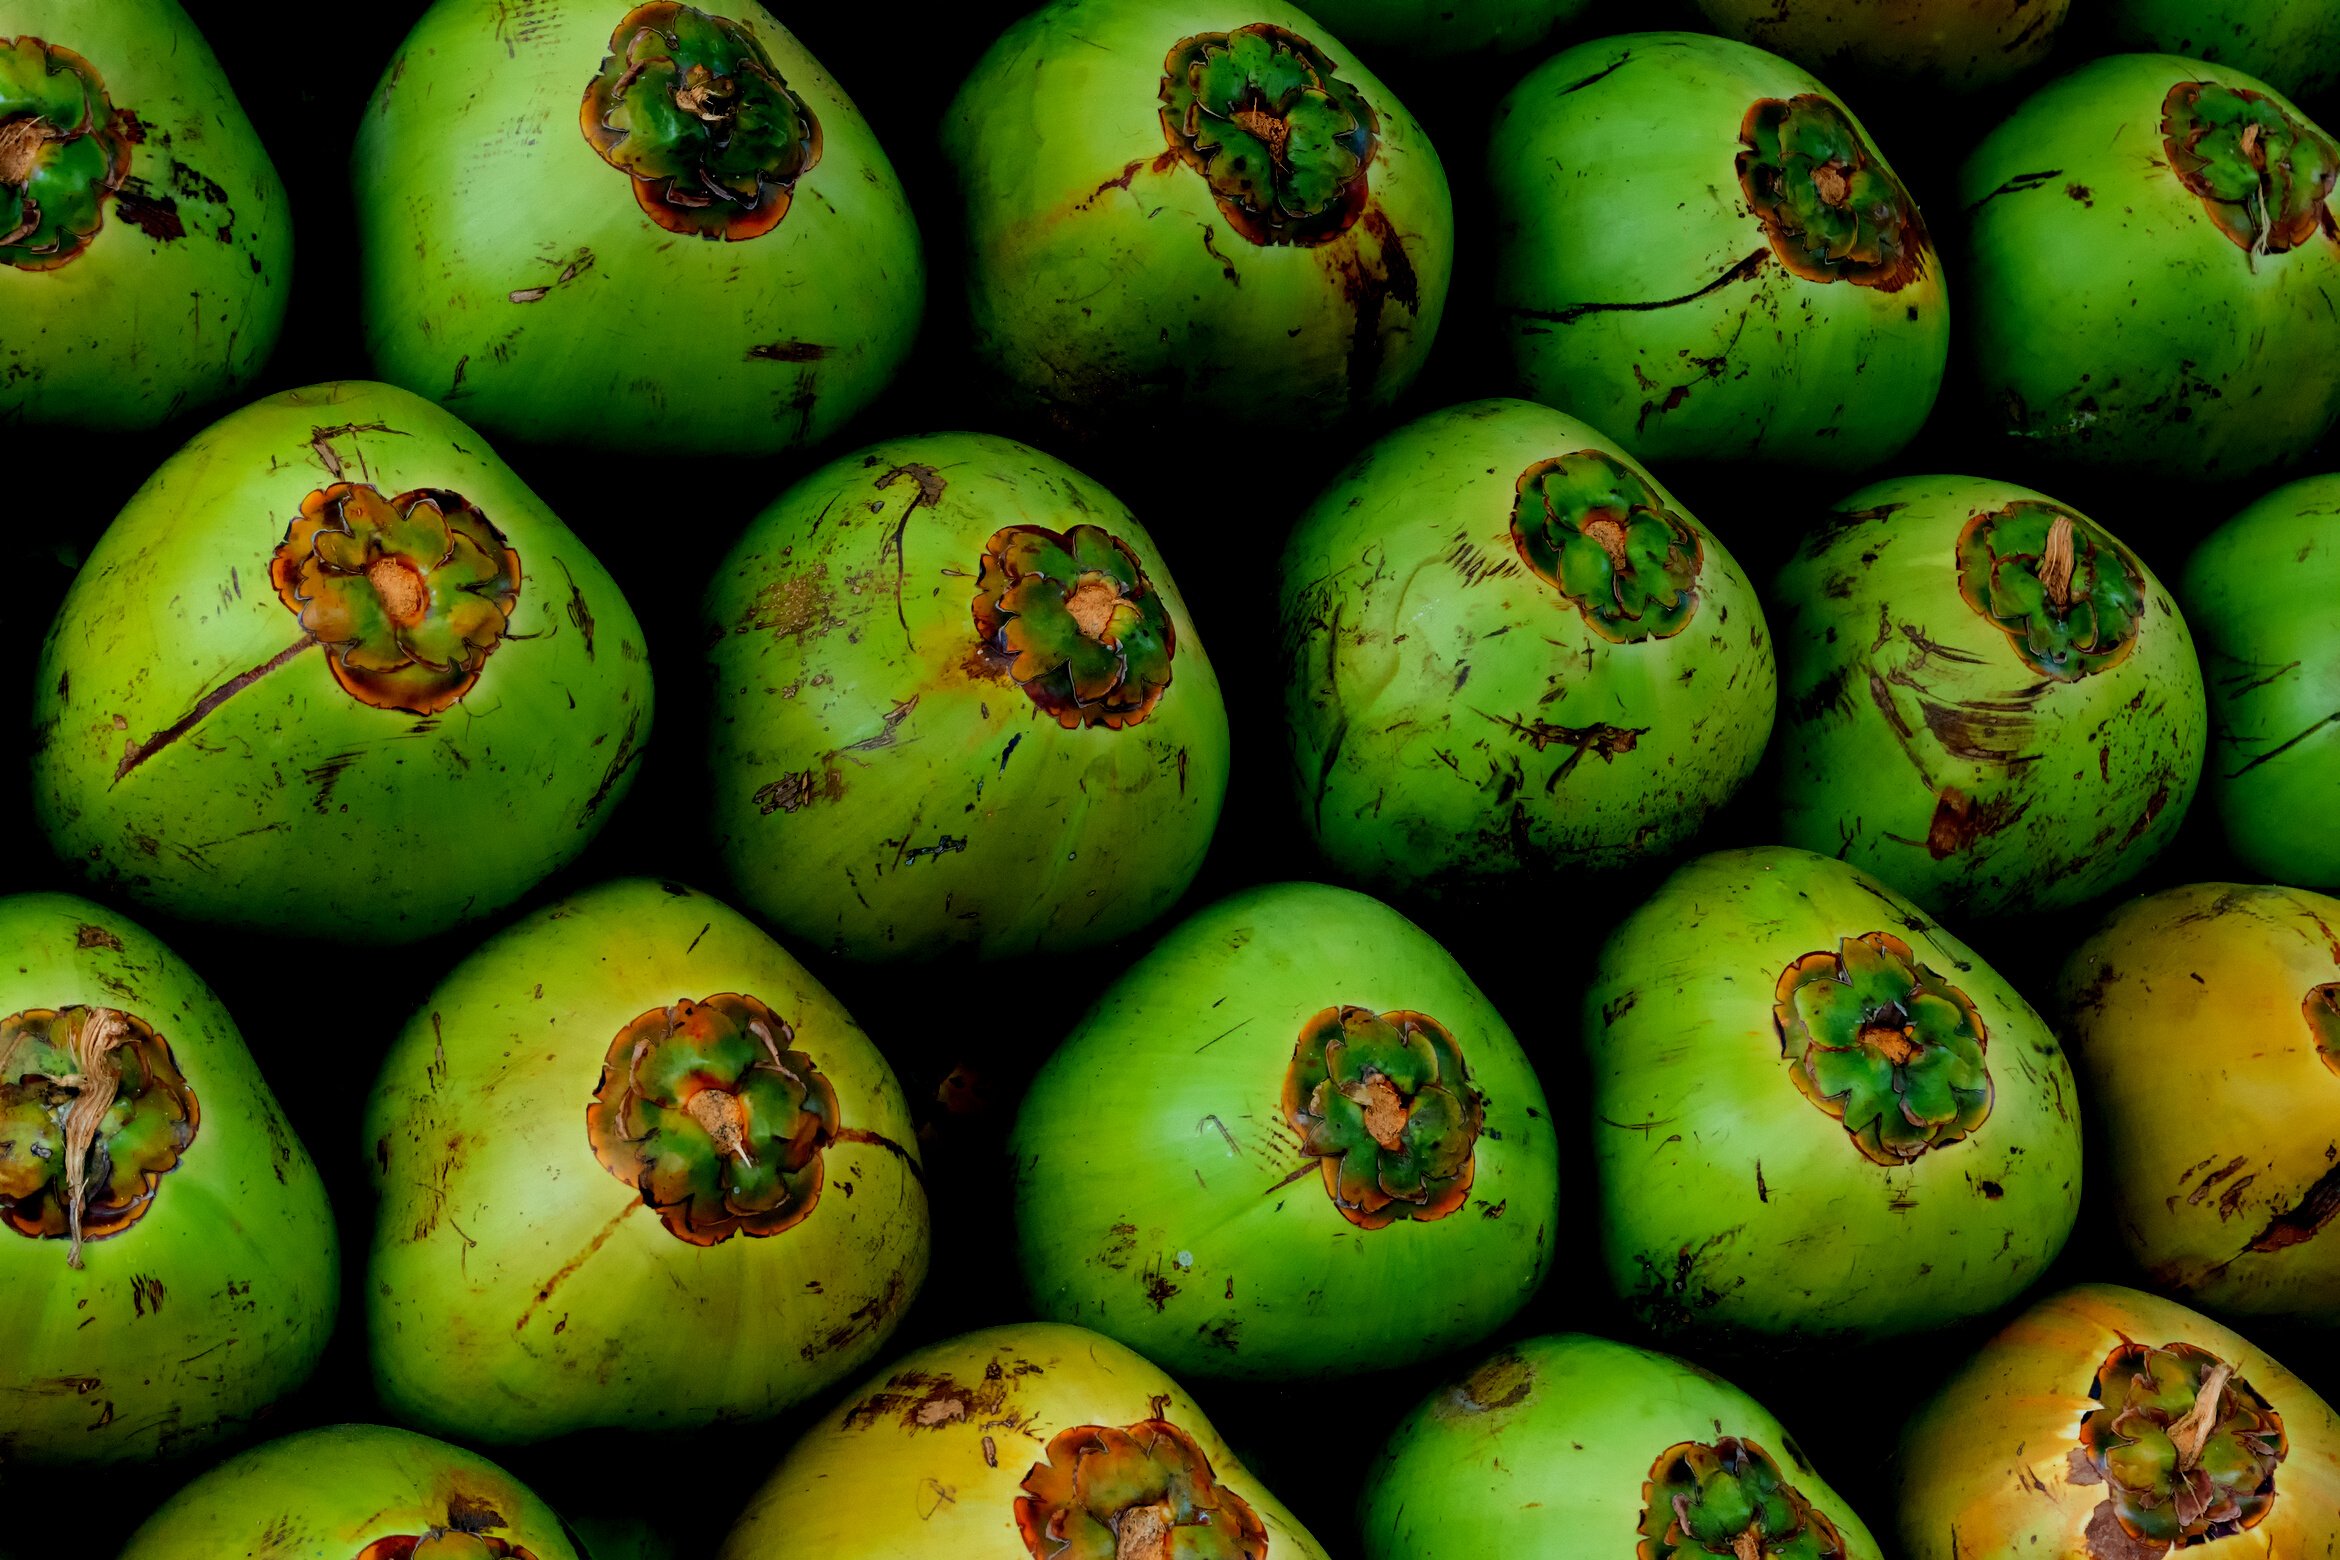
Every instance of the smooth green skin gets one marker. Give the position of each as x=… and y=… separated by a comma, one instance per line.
x=1543, y=1449
x=2120, y=328
x=518, y=1290
x=1412, y=629
x=2213, y=1103
x=2258, y=591
x=1098, y=306
x=1985, y=1466
x=291, y=791
x=2294, y=44
x=1954, y=45
x=1625, y=189
x=474, y=182
x=867, y=1490
x=180, y=1330
x=1733, y=1208
x=136, y=330
x=983, y=826
x=1149, y=1150
x=327, y=1494
x=1441, y=29
x=2101, y=786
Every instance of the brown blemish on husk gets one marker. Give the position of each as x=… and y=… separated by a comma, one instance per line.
x=1604, y=741
x=1503, y=1382
x=866, y=1320
x=137, y=753
x=569, y=1268
x=934, y=1400
x=2304, y=1220
x=1960, y=821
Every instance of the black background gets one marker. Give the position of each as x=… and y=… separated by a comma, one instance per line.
x=304, y=78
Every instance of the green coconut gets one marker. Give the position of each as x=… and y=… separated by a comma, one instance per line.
x=1954, y=45
x=1700, y=251
x=1343, y=1163
x=2104, y=1424
x=636, y=1169
x=1507, y=649
x=1818, y=1117
x=1182, y=210
x=655, y=228
x=2258, y=592
x=2152, y=276
x=1986, y=698
x=168, y=1266
x=355, y=1492
x=957, y=705
x=1011, y=1443
x=2294, y=45
x=1443, y=30
x=2205, y=1023
x=1572, y=1445
x=335, y=671
x=145, y=248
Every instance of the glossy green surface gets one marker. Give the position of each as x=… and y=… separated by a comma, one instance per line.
x=181, y=1329
x=2112, y=322
x=511, y=274
x=1475, y=693
x=884, y=785
x=283, y=791
x=331, y=1494
x=1981, y=755
x=1642, y=292
x=1108, y=285
x=1164, y=1198
x=179, y=296
x=1738, y=1208
x=519, y=1289
x=1549, y=1448
x=2258, y=594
